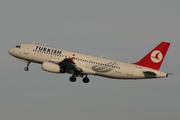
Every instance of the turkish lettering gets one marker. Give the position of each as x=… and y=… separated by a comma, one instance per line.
x=48, y=50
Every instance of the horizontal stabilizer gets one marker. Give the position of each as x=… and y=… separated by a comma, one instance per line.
x=149, y=74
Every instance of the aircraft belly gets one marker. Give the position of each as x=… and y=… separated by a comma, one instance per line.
x=112, y=74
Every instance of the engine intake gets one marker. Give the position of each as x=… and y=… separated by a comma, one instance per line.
x=52, y=67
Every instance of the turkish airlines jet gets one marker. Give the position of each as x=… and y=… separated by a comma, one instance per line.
x=80, y=65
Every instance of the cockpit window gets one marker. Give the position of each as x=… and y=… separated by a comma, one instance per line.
x=18, y=46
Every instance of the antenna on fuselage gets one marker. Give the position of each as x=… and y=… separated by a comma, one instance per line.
x=33, y=42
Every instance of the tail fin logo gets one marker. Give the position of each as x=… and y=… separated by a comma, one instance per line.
x=156, y=56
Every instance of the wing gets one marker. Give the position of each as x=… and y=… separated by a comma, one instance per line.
x=70, y=67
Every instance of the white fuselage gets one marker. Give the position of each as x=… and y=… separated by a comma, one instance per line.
x=89, y=64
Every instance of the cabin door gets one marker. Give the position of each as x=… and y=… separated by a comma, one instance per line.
x=26, y=50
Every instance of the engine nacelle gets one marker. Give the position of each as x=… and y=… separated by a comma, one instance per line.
x=52, y=67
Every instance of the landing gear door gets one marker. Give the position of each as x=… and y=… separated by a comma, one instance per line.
x=130, y=70
x=26, y=50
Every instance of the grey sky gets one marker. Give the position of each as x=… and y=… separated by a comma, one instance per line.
x=124, y=30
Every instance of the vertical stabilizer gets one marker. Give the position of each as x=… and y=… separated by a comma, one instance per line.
x=155, y=58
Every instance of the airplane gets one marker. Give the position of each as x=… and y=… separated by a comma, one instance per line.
x=56, y=60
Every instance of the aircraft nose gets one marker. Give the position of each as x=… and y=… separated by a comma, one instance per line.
x=11, y=51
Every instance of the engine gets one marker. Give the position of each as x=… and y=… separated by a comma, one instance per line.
x=52, y=67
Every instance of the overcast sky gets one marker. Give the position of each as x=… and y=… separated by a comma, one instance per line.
x=124, y=30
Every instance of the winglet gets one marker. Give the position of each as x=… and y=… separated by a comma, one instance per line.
x=155, y=58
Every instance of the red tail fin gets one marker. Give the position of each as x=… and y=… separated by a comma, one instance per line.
x=155, y=58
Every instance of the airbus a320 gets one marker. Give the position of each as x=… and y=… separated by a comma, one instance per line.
x=57, y=60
